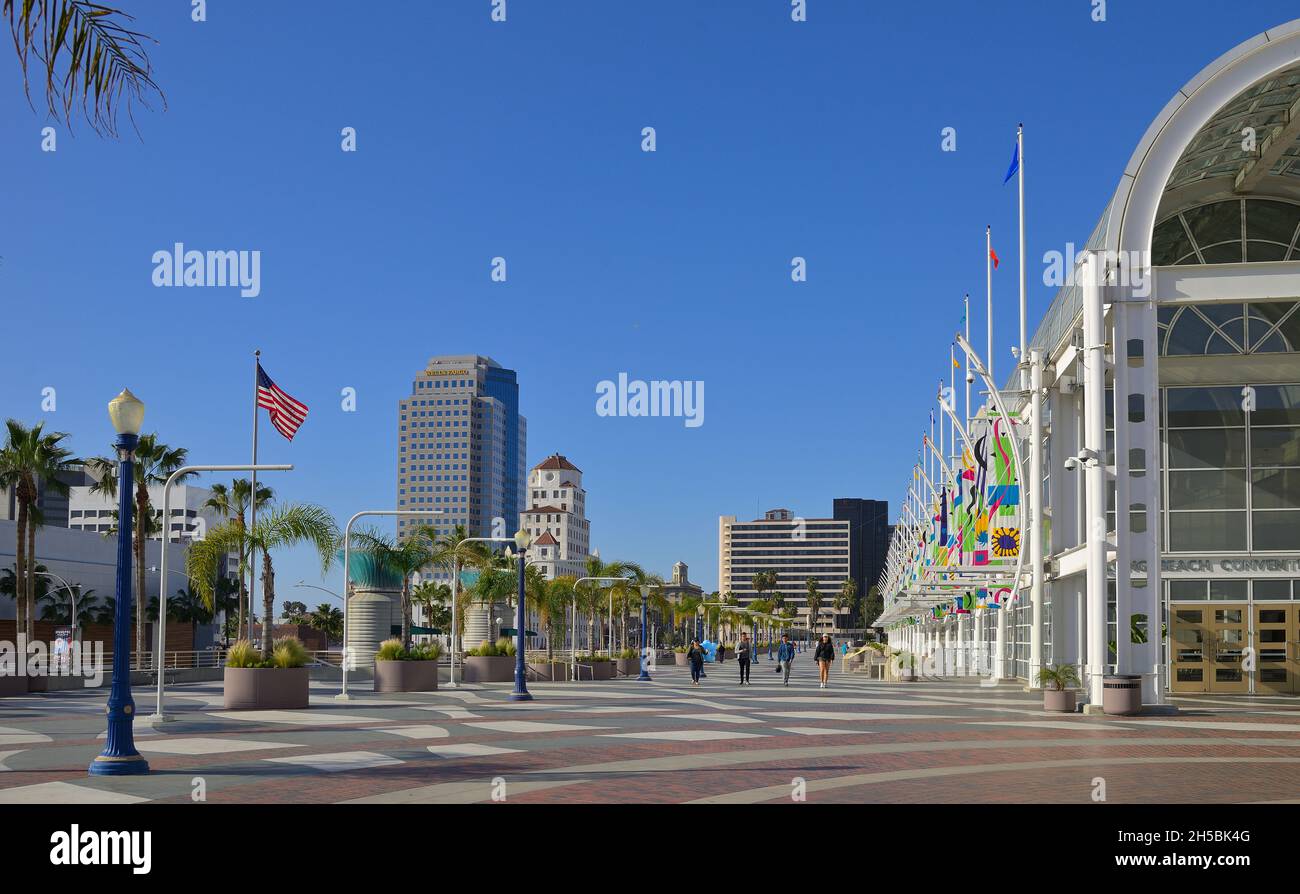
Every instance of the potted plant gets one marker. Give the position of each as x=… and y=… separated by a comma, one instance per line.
x=491, y=662
x=598, y=666
x=254, y=683
x=629, y=662
x=406, y=670
x=906, y=666
x=1056, y=678
x=679, y=656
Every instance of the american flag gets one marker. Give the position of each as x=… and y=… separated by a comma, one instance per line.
x=286, y=413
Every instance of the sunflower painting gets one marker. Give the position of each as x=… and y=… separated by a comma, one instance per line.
x=1006, y=542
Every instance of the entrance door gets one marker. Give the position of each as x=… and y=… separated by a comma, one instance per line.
x=1277, y=644
x=1208, y=643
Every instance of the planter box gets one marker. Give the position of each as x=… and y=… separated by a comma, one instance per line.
x=629, y=667
x=494, y=669
x=406, y=676
x=681, y=659
x=265, y=688
x=547, y=670
x=13, y=686
x=1062, y=700
x=596, y=670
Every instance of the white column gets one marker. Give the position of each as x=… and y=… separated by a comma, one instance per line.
x=959, y=663
x=1000, y=642
x=1034, y=477
x=1094, y=433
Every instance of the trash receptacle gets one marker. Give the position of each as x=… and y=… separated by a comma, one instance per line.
x=1121, y=694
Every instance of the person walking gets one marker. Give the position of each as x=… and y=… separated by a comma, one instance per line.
x=695, y=657
x=744, y=651
x=824, y=655
x=785, y=656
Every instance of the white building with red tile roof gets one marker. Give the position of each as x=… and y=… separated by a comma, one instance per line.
x=556, y=516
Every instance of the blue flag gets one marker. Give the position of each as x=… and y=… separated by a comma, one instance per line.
x=1015, y=165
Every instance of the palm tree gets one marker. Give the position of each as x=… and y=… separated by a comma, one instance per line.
x=86, y=56
x=814, y=603
x=433, y=598
x=592, y=603
x=405, y=559
x=454, y=552
x=30, y=458
x=284, y=526
x=329, y=620
x=766, y=582
x=57, y=606
x=154, y=464
x=552, y=604
x=686, y=612
x=232, y=504
x=104, y=614
x=845, y=597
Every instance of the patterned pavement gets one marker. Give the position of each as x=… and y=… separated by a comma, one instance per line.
x=942, y=741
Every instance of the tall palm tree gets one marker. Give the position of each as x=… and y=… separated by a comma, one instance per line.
x=454, y=553
x=86, y=56
x=766, y=582
x=284, y=526
x=814, y=603
x=686, y=613
x=434, y=600
x=56, y=606
x=845, y=597
x=592, y=600
x=30, y=457
x=552, y=605
x=404, y=559
x=329, y=620
x=627, y=593
x=233, y=503
x=154, y=464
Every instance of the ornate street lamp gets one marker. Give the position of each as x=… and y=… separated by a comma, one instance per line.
x=645, y=675
x=119, y=757
x=521, y=694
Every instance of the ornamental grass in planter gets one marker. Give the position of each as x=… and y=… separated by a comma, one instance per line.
x=253, y=682
x=629, y=662
x=679, y=656
x=398, y=669
x=491, y=662
x=1057, y=694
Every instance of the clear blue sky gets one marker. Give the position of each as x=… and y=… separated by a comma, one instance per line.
x=522, y=139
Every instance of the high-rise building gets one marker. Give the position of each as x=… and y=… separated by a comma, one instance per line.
x=557, y=518
x=461, y=447
x=52, y=504
x=869, y=536
x=796, y=549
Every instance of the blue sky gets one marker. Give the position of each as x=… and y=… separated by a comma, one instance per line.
x=475, y=140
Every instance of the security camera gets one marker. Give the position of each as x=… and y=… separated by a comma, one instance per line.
x=1071, y=464
x=1015, y=352
x=970, y=379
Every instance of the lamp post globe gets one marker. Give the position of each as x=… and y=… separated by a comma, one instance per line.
x=119, y=757
x=645, y=660
x=521, y=694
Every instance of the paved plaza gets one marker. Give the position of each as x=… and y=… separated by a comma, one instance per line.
x=660, y=742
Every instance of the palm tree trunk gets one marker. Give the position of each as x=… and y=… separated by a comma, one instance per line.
x=30, y=624
x=406, y=612
x=20, y=572
x=268, y=601
x=141, y=537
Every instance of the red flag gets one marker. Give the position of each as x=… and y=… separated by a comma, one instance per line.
x=994, y=256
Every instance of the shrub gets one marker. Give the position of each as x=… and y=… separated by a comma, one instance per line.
x=588, y=659
x=485, y=650
x=680, y=650
x=289, y=652
x=629, y=653
x=506, y=646
x=242, y=654
x=429, y=652
x=391, y=650
x=1059, y=676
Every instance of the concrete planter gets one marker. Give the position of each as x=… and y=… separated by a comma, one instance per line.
x=1121, y=694
x=406, y=676
x=681, y=659
x=547, y=670
x=493, y=669
x=1062, y=700
x=596, y=670
x=13, y=686
x=265, y=688
x=629, y=667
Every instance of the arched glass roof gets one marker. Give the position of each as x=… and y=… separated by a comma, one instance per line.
x=1231, y=232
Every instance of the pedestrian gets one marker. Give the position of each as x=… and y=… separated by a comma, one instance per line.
x=785, y=656
x=844, y=648
x=695, y=657
x=824, y=655
x=744, y=651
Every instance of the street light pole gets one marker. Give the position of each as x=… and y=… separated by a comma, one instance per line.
x=521, y=694
x=645, y=592
x=158, y=714
x=119, y=757
x=347, y=577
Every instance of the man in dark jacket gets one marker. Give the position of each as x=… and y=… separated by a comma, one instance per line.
x=785, y=655
x=824, y=655
x=744, y=651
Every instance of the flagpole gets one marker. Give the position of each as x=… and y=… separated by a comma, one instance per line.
x=988, y=266
x=968, y=379
x=252, y=566
x=1024, y=358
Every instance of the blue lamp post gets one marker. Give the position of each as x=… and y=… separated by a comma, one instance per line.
x=119, y=757
x=645, y=674
x=521, y=694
